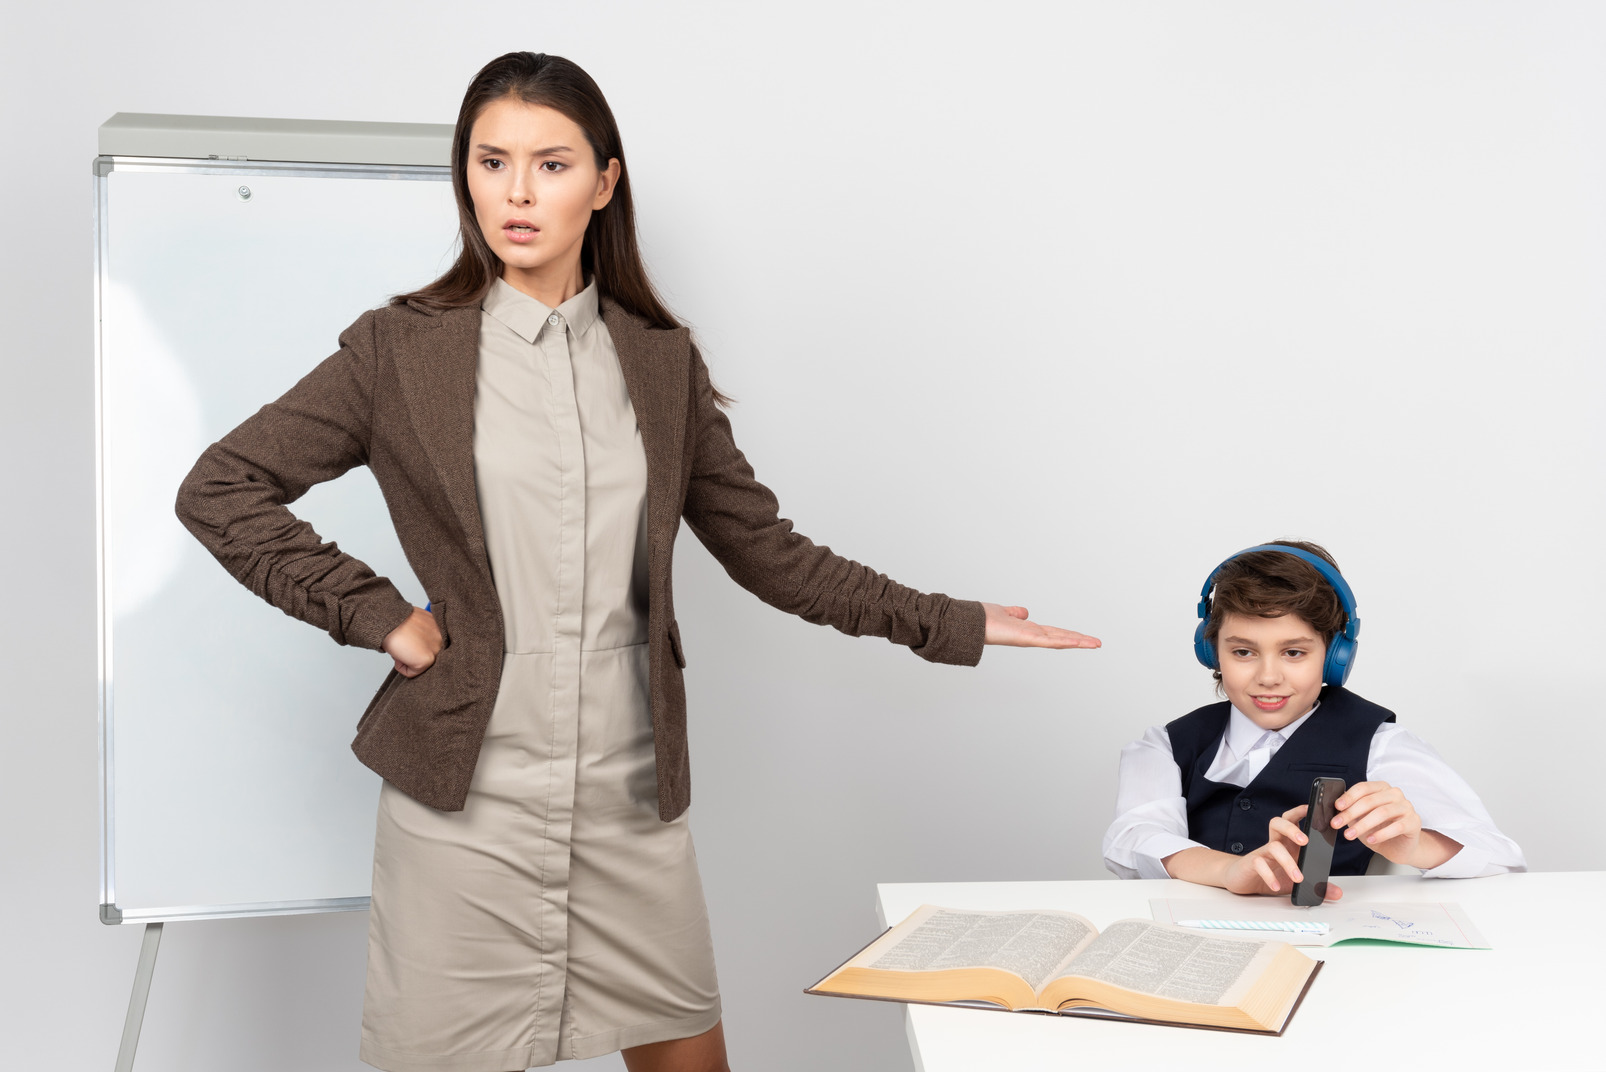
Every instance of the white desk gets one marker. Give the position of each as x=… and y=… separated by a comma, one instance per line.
x=1532, y=1002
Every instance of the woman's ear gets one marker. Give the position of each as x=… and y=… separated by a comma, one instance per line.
x=607, y=179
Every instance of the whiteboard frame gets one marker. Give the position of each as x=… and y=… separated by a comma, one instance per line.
x=103, y=167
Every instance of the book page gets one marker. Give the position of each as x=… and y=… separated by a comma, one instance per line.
x=1033, y=945
x=1173, y=963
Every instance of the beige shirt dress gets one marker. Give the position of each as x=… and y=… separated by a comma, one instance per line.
x=555, y=916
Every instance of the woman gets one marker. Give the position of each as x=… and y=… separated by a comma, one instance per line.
x=539, y=424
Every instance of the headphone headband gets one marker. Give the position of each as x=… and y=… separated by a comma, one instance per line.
x=1340, y=650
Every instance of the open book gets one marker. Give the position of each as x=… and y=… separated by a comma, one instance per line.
x=1058, y=962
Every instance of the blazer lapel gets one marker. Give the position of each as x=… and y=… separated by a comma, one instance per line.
x=657, y=366
x=436, y=365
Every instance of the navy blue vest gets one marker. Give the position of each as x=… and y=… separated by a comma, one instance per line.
x=1334, y=742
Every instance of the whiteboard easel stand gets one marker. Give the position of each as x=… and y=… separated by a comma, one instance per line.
x=136, y=1001
x=151, y=941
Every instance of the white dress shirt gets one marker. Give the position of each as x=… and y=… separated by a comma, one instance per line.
x=1151, y=815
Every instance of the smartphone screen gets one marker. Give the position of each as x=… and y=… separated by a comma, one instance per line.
x=1316, y=855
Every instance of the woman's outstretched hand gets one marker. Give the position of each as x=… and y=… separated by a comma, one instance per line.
x=414, y=643
x=1009, y=625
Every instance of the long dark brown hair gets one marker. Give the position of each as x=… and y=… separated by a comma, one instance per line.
x=609, y=253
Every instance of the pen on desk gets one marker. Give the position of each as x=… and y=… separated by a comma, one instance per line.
x=1294, y=926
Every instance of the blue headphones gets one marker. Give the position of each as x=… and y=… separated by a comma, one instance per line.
x=1340, y=650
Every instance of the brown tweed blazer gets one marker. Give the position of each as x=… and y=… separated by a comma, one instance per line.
x=399, y=397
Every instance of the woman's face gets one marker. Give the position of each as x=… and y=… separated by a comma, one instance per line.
x=534, y=183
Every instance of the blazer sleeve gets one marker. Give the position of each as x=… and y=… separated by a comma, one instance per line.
x=236, y=498
x=738, y=520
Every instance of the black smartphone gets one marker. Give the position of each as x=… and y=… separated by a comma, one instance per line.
x=1316, y=855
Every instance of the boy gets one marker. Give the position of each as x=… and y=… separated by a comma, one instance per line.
x=1215, y=797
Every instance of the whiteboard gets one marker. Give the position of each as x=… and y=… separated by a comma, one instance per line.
x=228, y=785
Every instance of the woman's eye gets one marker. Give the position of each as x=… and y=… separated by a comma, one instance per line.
x=494, y=164
x=551, y=165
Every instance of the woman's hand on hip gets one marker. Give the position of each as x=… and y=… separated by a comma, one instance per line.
x=414, y=643
x=1010, y=625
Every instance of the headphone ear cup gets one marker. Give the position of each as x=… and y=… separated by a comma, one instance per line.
x=1203, y=649
x=1340, y=660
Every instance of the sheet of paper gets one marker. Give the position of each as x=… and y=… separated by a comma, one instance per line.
x=1440, y=923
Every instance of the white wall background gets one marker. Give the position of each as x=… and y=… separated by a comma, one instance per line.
x=1049, y=303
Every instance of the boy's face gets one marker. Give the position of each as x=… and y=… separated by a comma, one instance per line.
x=1271, y=668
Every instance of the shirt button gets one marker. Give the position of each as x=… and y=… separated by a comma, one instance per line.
x=1237, y=846
x=1244, y=804
x=554, y=320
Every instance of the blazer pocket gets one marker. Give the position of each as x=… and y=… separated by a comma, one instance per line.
x=675, y=648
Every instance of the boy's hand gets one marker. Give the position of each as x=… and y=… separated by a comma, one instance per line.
x=1378, y=814
x=1273, y=868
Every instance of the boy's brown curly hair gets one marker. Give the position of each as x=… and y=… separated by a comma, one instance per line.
x=1268, y=584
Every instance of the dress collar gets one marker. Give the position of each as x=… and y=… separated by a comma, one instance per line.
x=527, y=317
